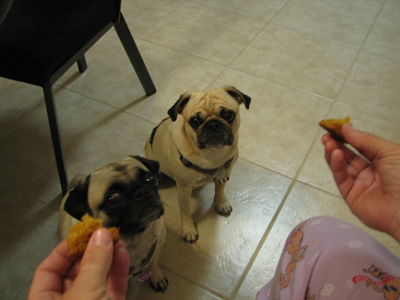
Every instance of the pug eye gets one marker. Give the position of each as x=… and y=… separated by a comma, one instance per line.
x=195, y=122
x=229, y=116
x=115, y=199
x=151, y=178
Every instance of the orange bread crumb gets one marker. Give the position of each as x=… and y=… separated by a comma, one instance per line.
x=334, y=127
x=79, y=234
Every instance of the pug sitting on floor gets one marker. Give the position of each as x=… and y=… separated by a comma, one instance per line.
x=124, y=194
x=197, y=145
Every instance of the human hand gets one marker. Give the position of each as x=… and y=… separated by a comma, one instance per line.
x=370, y=188
x=102, y=272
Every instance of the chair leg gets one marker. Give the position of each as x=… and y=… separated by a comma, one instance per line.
x=134, y=55
x=82, y=65
x=55, y=135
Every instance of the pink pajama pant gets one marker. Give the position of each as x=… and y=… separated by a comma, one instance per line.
x=327, y=258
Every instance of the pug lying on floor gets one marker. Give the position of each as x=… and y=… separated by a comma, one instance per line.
x=124, y=194
x=197, y=145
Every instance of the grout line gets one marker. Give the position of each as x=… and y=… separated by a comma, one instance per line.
x=194, y=283
x=295, y=179
x=281, y=84
x=162, y=19
x=357, y=55
x=180, y=51
x=262, y=241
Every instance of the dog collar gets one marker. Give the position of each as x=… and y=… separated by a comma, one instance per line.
x=220, y=174
x=145, y=263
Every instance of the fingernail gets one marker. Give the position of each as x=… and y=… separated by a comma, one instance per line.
x=101, y=237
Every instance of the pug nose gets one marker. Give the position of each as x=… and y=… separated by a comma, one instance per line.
x=213, y=126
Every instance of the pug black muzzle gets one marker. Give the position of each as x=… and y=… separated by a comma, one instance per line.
x=132, y=207
x=214, y=134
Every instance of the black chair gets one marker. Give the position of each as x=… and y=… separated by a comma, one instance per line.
x=41, y=39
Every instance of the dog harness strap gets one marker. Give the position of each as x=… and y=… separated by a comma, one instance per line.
x=153, y=133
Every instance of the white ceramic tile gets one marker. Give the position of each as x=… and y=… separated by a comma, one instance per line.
x=384, y=38
x=27, y=159
x=93, y=135
x=263, y=10
x=142, y=15
x=226, y=243
x=178, y=288
x=105, y=47
x=392, y=6
x=19, y=102
x=371, y=4
x=339, y=21
x=29, y=232
x=316, y=171
x=279, y=128
x=372, y=86
x=173, y=74
x=297, y=59
x=303, y=202
x=204, y=31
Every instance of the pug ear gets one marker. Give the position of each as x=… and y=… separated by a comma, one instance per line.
x=178, y=106
x=238, y=96
x=152, y=165
x=77, y=204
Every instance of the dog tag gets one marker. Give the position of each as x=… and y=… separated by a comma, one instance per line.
x=145, y=276
x=220, y=174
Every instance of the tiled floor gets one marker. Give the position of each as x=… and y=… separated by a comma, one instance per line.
x=300, y=60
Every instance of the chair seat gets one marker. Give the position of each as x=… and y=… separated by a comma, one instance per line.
x=32, y=44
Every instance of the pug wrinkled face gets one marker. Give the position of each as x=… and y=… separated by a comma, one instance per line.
x=125, y=194
x=211, y=119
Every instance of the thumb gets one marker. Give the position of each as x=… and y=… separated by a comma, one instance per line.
x=368, y=144
x=96, y=263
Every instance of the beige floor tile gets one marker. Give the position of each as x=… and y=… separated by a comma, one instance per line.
x=384, y=38
x=27, y=159
x=28, y=233
x=173, y=73
x=205, y=32
x=178, y=288
x=339, y=21
x=391, y=6
x=93, y=135
x=96, y=134
x=263, y=10
x=303, y=202
x=279, y=128
x=371, y=4
x=113, y=80
x=19, y=103
x=297, y=59
x=372, y=86
x=108, y=45
x=316, y=171
x=225, y=245
x=142, y=15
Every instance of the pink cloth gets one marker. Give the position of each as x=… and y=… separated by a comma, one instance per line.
x=327, y=258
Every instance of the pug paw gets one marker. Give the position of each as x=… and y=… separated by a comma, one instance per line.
x=190, y=234
x=224, y=209
x=160, y=285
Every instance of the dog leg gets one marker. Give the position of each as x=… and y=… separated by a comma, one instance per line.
x=158, y=280
x=189, y=231
x=222, y=205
